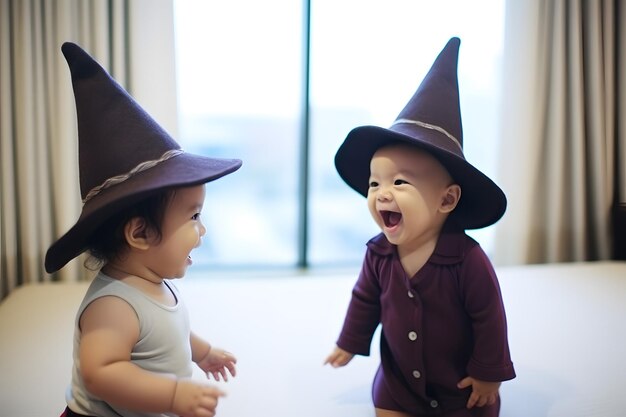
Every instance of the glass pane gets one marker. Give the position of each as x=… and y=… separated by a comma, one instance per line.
x=239, y=65
x=367, y=60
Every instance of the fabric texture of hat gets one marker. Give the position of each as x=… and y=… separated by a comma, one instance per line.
x=432, y=121
x=124, y=155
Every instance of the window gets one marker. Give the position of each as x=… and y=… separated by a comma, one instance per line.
x=280, y=83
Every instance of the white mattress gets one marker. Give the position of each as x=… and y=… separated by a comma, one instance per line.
x=567, y=333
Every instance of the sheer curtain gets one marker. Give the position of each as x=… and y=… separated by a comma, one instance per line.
x=563, y=149
x=39, y=194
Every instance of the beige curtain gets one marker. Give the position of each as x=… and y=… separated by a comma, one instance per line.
x=39, y=194
x=563, y=134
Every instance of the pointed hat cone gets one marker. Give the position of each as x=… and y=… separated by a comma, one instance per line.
x=124, y=155
x=431, y=120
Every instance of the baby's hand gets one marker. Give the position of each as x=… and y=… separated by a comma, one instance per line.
x=217, y=362
x=193, y=399
x=338, y=357
x=483, y=392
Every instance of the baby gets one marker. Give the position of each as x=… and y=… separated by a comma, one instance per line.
x=142, y=199
x=444, y=348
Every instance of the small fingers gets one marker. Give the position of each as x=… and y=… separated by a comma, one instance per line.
x=231, y=368
x=471, y=402
x=481, y=400
x=338, y=357
x=337, y=362
x=230, y=357
x=208, y=403
x=213, y=374
x=215, y=393
x=331, y=362
x=224, y=374
x=334, y=358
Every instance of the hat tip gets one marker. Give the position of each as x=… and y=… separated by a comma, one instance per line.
x=81, y=64
x=69, y=50
x=50, y=266
x=454, y=42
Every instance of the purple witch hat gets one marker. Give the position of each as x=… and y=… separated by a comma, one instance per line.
x=432, y=121
x=124, y=155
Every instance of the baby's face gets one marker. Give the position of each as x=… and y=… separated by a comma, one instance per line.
x=182, y=231
x=407, y=193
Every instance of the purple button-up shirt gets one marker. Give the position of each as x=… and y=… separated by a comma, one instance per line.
x=439, y=326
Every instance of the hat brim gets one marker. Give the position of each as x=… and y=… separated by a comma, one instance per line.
x=482, y=201
x=180, y=171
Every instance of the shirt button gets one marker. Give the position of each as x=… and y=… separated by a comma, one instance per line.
x=412, y=336
x=434, y=404
x=417, y=374
x=410, y=294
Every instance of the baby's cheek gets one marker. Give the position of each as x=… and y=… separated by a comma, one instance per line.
x=377, y=219
x=371, y=205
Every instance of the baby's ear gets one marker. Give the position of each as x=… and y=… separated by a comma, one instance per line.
x=451, y=198
x=137, y=233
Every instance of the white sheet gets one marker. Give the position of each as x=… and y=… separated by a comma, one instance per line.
x=567, y=333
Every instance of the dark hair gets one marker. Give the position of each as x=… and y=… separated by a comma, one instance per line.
x=108, y=242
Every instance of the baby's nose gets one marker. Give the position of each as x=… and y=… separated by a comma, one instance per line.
x=383, y=195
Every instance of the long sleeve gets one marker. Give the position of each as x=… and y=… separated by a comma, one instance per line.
x=363, y=314
x=491, y=359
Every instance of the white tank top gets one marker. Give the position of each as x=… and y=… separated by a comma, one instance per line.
x=163, y=344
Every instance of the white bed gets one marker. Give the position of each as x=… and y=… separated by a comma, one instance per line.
x=567, y=332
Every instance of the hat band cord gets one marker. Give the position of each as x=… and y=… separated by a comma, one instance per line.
x=123, y=177
x=429, y=126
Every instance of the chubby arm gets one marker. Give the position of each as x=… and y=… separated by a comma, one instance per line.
x=214, y=361
x=109, y=331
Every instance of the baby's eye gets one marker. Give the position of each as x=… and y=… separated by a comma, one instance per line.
x=373, y=184
x=400, y=182
x=195, y=216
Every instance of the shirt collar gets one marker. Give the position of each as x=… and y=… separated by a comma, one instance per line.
x=450, y=249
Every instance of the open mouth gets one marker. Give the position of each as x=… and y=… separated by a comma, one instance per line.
x=390, y=218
